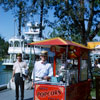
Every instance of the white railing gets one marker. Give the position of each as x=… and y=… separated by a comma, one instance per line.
x=7, y=62
x=24, y=49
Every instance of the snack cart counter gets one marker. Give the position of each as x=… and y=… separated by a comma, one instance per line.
x=70, y=72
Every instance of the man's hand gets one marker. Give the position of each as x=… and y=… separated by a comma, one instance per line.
x=32, y=84
x=13, y=75
x=12, y=79
x=46, y=78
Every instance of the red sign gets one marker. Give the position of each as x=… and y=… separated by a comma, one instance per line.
x=49, y=92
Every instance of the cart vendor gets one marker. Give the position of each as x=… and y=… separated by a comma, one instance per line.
x=42, y=69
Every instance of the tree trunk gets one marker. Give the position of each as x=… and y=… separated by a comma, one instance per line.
x=41, y=18
x=20, y=19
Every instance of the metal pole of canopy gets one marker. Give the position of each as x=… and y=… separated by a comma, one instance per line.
x=33, y=65
x=54, y=66
x=34, y=72
x=66, y=64
x=79, y=63
x=30, y=56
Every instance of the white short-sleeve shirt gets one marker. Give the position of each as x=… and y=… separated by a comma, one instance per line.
x=19, y=66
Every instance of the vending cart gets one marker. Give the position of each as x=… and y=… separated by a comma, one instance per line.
x=70, y=71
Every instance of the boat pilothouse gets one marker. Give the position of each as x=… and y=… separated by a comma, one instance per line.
x=18, y=44
x=32, y=32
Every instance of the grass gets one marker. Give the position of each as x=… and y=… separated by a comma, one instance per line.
x=0, y=59
x=93, y=93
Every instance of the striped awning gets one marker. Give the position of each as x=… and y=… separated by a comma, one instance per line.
x=58, y=41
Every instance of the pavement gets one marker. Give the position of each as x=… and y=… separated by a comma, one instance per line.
x=8, y=94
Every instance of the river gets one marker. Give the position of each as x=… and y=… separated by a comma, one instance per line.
x=5, y=74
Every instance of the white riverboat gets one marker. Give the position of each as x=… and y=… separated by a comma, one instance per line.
x=18, y=44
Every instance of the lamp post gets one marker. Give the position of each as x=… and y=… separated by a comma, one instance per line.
x=30, y=55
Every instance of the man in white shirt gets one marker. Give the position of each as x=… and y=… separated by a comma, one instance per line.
x=19, y=68
x=42, y=69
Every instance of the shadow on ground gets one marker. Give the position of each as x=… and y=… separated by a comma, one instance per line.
x=29, y=99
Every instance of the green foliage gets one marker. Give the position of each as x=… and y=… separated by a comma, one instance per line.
x=31, y=67
x=79, y=18
x=3, y=47
x=93, y=93
x=99, y=33
x=74, y=19
x=24, y=10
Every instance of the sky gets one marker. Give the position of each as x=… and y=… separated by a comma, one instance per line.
x=8, y=28
x=6, y=24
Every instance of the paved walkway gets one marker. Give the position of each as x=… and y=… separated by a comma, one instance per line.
x=10, y=94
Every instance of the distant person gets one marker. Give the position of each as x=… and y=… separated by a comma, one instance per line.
x=95, y=63
x=19, y=68
x=42, y=69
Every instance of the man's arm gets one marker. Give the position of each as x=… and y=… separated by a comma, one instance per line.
x=32, y=79
x=13, y=74
x=50, y=73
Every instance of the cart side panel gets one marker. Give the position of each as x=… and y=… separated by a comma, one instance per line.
x=49, y=92
x=78, y=91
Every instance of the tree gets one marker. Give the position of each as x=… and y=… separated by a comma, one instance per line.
x=77, y=18
x=3, y=47
x=20, y=11
x=26, y=9
x=42, y=6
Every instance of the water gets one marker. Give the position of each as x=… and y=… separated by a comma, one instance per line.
x=5, y=74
